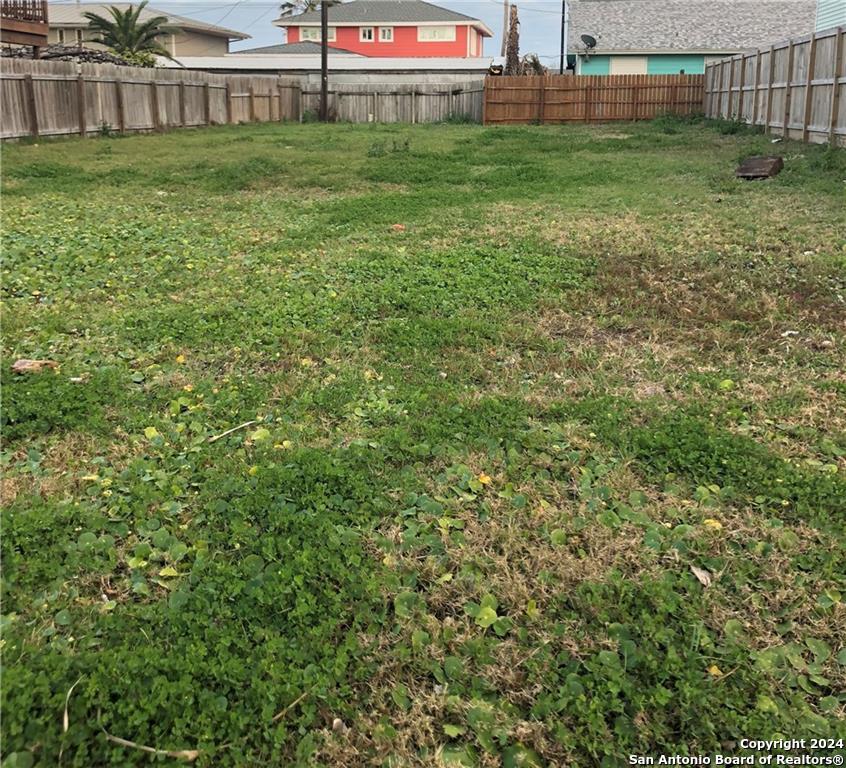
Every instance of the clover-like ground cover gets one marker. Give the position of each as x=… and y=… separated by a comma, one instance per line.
x=546, y=462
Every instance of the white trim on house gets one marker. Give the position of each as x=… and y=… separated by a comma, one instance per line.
x=468, y=23
x=386, y=38
x=367, y=34
x=660, y=51
x=270, y=62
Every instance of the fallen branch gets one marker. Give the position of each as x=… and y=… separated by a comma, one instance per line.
x=230, y=431
x=279, y=715
x=179, y=754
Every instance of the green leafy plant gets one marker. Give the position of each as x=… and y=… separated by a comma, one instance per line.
x=124, y=32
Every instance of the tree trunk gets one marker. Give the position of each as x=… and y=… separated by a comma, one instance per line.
x=512, y=46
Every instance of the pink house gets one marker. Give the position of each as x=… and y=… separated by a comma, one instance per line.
x=396, y=28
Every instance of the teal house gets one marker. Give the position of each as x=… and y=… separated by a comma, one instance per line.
x=669, y=37
x=831, y=13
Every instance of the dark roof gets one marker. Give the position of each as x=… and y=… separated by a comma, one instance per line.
x=70, y=15
x=688, y=25
x=303, y=47
x=379, y=12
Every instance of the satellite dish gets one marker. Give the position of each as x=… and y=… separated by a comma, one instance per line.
x=589, y=41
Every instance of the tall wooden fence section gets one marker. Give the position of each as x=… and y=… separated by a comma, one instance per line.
x=795, y=88
x=52, y=98
x=590, y=98
x=412, y=103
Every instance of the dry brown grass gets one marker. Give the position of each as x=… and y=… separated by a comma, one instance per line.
x=65, y=457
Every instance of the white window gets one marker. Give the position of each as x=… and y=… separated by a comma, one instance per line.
x=313, y=34
x=386, y=34
x=444, y=34
x=365, y=34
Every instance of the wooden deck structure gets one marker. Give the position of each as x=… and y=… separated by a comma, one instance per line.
x=24, y=22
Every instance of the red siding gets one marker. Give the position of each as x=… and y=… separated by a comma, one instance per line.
x=405, y=43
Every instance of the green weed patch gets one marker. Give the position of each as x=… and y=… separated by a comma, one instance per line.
x=420, y=445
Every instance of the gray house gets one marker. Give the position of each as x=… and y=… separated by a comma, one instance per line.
x=663, y=37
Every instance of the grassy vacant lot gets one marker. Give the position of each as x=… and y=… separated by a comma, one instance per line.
x=546, y=463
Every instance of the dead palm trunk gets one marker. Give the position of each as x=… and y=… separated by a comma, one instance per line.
x=512, y=45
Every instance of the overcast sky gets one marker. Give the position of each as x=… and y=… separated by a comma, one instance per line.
x=540, y=21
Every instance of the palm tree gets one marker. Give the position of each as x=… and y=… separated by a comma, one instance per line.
x=296, y=7
x=126, y=37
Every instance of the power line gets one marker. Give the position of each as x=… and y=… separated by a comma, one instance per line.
x=234, y=6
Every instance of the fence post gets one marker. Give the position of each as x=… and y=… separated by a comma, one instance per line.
x=755, y=87
x=413, y=106
x=29, y=85
x=710, y=79
x=730, y=110
x=228, y=103
x=182, y=120
x=252, y=93
x=80, y=99
x=207, y=103
x=769, y=116
x=279, y=96
x=806, y=109
x=835, y=86
x=740, y=94
x=121, y=108
x=635, y=100
x=787, y=89
x=542, y=101
x=154, y=105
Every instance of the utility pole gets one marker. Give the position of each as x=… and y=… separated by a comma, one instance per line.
x=324, y=61
x=565, y=23
x=505, y=9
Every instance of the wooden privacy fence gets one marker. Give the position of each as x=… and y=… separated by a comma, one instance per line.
x=52, y=98
x=412, y=103
x=48, y=98
x=795, y=87
x=589, y=98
